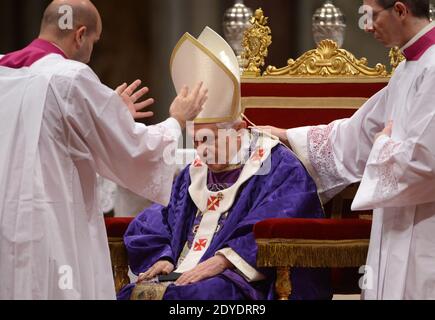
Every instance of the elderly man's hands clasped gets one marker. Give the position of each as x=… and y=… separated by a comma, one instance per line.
x=159, y=268
x=207, y=269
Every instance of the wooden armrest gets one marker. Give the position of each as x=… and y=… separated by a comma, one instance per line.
x=118, y=255
x=116, y=228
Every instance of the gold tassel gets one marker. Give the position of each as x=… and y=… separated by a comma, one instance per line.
x=149, y=291
x=312, y=253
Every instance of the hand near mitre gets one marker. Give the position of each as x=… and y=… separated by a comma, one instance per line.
x=186, y=106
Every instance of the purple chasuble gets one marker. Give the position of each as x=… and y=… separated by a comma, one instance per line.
x=35, y=51
x=161, y=233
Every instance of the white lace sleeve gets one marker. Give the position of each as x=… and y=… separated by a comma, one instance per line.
x=336, y=154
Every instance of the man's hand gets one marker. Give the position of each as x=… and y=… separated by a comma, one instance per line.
x=210, y=268
x=388, y=130
x=161, y=267
x=280, y=133
x=131, y=97
x=188, y=105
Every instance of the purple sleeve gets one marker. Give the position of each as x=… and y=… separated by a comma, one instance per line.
x=148, y=240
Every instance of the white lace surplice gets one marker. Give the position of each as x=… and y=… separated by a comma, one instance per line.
x=397, y=177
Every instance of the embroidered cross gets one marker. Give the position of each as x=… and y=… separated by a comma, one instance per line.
x=200, y=245
x=197, y=163
x=258, y=155
x=214, y=202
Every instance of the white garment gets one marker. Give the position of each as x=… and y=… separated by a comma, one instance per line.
x=58, y=127
x=129, y=204
x=397, y=177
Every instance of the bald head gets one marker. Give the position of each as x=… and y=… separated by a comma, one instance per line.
x=73, y=25
x=84, y=13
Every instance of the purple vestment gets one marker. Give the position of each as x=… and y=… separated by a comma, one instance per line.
x=161, y=233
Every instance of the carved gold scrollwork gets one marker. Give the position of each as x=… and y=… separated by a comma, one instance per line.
x=256, y=42
x=328, y=60
x=396, y=57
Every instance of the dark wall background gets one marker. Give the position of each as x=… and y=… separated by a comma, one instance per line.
x=138, y=36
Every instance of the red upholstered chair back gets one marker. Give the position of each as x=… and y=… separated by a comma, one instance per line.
x=323, y=85
x=287, y=102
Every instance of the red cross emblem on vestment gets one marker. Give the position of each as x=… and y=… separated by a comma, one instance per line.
x=197, y=163
x=214, y=202
x=258, y=155
x=200, y=245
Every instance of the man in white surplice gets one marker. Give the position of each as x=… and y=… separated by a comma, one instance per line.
x=396, y=167
x=58, y=127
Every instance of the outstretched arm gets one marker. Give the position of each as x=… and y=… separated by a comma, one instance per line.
x=137, y=157
x=336, y=154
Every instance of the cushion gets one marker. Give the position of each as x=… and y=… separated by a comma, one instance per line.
x=315, y=229
x=116, y=227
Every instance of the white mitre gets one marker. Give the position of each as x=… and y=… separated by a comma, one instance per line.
x=211, y=60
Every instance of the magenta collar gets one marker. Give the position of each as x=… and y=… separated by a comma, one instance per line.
x=47, y=47
x=35, y=51
x=418, y=48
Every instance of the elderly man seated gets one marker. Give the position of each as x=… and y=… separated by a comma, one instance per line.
x=204, y=239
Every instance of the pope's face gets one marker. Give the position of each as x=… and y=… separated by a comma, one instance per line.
x=217, y=146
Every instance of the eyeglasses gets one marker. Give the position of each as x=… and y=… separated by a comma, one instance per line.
x=376, y=14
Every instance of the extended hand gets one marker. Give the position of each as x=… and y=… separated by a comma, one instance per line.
x=210, y=268
x=280, y=133
x=388, y=130
x=187, y=106
x=131, y=98
x=161, y=267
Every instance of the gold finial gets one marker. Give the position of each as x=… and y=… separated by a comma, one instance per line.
x=396, y=57
x=326, y=61
x=256, y=42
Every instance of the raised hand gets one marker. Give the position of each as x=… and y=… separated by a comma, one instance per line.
x=159, y=268
x=188, y=105
x=208, y=269
x=131, y=97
